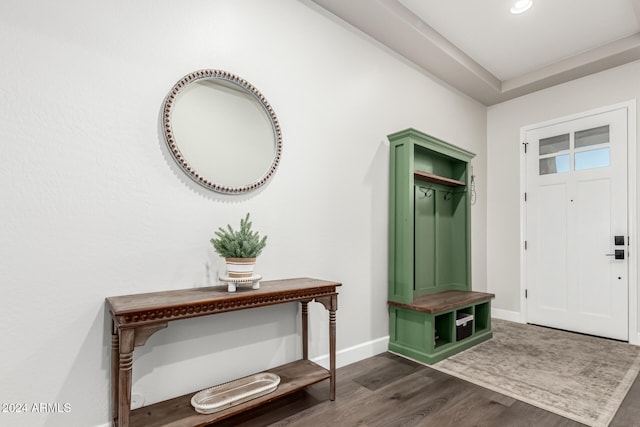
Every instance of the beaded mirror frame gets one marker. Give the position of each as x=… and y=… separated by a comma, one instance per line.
x=173, y=143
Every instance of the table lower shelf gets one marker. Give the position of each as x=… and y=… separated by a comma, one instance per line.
x=178, y=412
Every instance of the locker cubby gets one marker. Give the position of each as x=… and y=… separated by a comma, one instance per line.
x=483, y=317
x=443, y=329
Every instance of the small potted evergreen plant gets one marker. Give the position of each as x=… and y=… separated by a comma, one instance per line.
x=239, y=248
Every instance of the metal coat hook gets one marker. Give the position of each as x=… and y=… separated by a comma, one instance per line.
x=428, y=192
x=448, y=195
x=473, y=187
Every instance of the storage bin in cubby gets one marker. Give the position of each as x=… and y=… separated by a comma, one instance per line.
x=464, y=325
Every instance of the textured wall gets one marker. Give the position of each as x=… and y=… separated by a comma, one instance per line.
x=92, y=206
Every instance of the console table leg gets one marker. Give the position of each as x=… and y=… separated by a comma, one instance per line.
x=305, y=329
x=330, y=302
x=115, y=368
x=332, y=353
x=127, y=338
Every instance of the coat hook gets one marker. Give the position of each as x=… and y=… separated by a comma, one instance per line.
x=428, y=192
x=448, y=195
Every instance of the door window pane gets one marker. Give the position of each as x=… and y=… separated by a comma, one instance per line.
x=554, y=144
x=592, y=159
x=556, y=164
x=585, y=138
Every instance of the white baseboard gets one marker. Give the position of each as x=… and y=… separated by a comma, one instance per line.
x=512, y=316
x=356, y=353
x=103, y=425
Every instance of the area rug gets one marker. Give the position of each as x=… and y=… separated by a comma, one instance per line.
x=580, y=377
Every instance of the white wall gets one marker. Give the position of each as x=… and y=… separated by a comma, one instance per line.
x=504, y=122
x=92, y=206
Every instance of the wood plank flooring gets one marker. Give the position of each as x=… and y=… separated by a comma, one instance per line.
x=387, y=391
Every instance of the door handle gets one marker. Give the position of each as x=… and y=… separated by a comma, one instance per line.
x=618, y=254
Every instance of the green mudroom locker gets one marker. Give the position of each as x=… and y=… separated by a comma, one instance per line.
x=433, y=312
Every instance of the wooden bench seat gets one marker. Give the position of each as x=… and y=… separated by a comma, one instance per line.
x=445, y=301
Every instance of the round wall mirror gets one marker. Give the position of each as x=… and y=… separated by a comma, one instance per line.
x=222, y=132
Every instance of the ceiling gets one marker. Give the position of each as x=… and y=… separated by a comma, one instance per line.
x=481, y=49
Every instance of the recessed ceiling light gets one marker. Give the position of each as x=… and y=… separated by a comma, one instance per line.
x=521, y=6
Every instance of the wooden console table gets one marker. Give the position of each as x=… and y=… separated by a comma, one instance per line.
x=136, y=317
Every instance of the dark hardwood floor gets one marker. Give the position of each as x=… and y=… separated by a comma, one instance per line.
x=387, y=390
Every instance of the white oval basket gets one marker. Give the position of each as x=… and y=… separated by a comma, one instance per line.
x=229, y=394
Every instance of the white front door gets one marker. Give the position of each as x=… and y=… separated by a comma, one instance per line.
x=576, y=205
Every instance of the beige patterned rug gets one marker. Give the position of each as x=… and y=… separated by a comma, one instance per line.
x=580, y=377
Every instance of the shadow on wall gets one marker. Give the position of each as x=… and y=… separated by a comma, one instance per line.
x=83, y=408
x=377, y=179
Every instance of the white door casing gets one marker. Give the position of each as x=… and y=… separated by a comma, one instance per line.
x=576, y=187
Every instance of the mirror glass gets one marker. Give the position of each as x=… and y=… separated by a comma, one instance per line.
x=222, y=131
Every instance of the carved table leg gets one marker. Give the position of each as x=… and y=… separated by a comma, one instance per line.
x=115, y=368
x=127, y=338
x=332, y=352
x=305, y=329
x=330, y=302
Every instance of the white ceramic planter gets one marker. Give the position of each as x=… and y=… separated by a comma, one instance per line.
x=240, y=267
